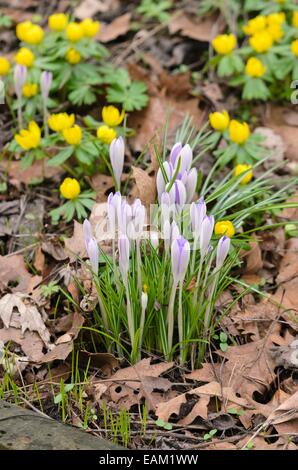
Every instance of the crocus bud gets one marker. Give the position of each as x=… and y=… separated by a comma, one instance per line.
x=138, y=218
x=117, y=158
x=154, y=239
x=123, y=247
x=144, y=300
x=114, y=204
x=180, y=253
x=175, y=152
x=191, y=184
x=197, y=214
x=222, y=251
x=45, y=84
x=19, y=77
x=178, y=194
x=170, y=233
x=87, y=232
x=93, y=253
x=186, y=158
x=206, y=234
x=160, y=181
x=124, y=217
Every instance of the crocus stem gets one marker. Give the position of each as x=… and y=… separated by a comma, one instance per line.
x=170, y=317
x=130, y=321
x=102, y=309
x=115, y=268
x=210, y=303
x=180, y=321
x=20, y=115
x=45, y=120
x=193, y=259
x=142, y=322
x=195, y=296
x=139, y=261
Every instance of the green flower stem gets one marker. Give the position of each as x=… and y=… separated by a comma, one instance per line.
x=196, y=292
x=130, y=319
x=180, y=321
x=142, y=323
x=170, y=318
x=139, y=263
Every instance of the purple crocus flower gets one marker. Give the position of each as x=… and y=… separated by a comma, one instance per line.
x=178, y=194
x=186, y=158
x=191, y=184
x=197, y=214
x=206, y=233
x=87, y=232
x=170, y=233
x=180, y=253
x=175, y=152
x=114, y=204
x=117, y=158
x=138, y=213
x=19, y=77
x=123, y=247
x=222, y=251
x=45, y=84
x=124, y=217
x=93, y=253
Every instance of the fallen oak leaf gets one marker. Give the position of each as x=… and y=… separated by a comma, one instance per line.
x=118, y=27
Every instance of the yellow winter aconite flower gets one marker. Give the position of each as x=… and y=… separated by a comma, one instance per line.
x=29, y=138
x=74, y=32
x=219, y=120
x=255, y=25
x=294, y=47
x=239, y=132
x=59, y=122
x=22, y=29
x=224, y=227
x=111, y=116
x=254, y=67
x=34, y=34
x=90, y=28
x=4, y=66
x=275, y=31
x=106, y=134
x=29, y=90
x=73, y=56
x=24, y=57
x=295, y=19
x=73, y=135
x=57, y=21
x=276, y=18
x=261, y=41
x=70, y=188
x=242, y=168
x=224, y=43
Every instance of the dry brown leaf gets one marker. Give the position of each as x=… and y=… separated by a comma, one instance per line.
x=145, y=186
x=17, y=175
x=194, y=28
x=118, y=27
x=75, y=245
x=30, y=343
x=253, y=258
x=277, y=118
x=88, y=8
x=16, y=313
x=13, y=270
x=274, y=144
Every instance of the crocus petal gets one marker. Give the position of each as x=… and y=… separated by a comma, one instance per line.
x=197, y=214
x=117, y=150
x=206, y=234
x=45, y=84
x=186, y=158
x=191, y=184
x=87, y=232
x=160, y=181
x=180, y=254
x=19, y=77
x=93, y=253
x=222, y=251
x=123, y=246
x=176, y=149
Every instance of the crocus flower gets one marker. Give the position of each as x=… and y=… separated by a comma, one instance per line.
x=170, y=233
x=20, y=75
x=124, y=217
x=160, y=181
x=190, y=180
x=154, y=239
x=222, y=251
x=87, y=232
x=178, y=194
x=123, y=246
x=206, y=234
x=138, y=213
x=175, y=152
x=180, y=253
x=197, y=214
x=114, y=204
x=93, y=253
x=45, y=84
x=186, y=156
x=117, y=158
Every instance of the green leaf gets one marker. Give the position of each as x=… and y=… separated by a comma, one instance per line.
x=223, y=337
x=82, y=95
x=83, y=156
x=61, y=157
x=223, y=347
x=27, y=160
x=133, y=97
